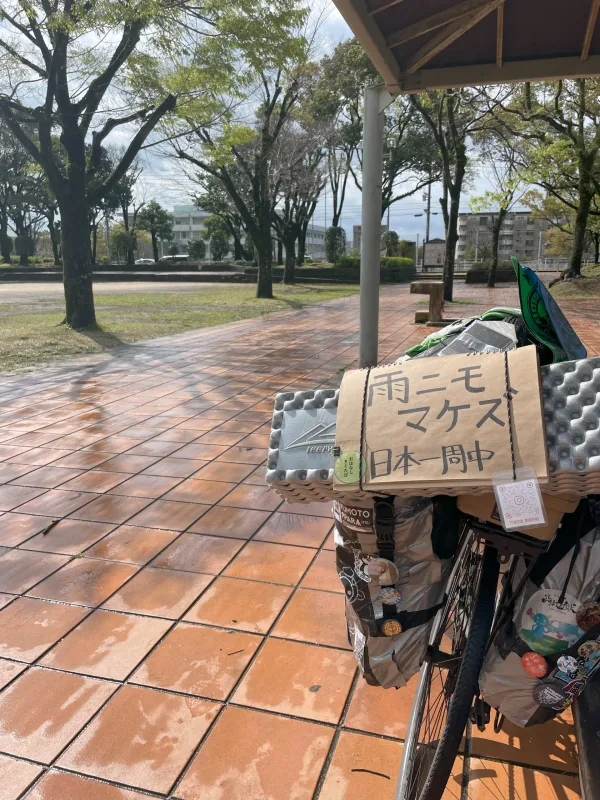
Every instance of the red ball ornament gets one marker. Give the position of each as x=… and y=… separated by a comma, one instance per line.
x=534, y=665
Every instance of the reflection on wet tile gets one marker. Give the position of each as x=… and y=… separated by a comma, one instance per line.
x=69, y=536
x=313, y=616
x=197, y=553
x=66, y=786
x=16, y=776
x=249, y=754
x=42, y=710
x=142, y=738
x=112, y=509
x=197, y=660
x=275, y=563
x=17, y=528
x=169, y=515
x=235, y=603
x=22, y=569
x=29, y=627
x=294, y=529
x=160, y=593
x=9, y=671
x=107, y=644
x=134, y=545
x=86, y=581
x=238, y=523
x=298, y=679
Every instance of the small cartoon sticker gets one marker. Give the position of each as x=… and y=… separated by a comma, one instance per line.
x=568, y=667
x=548, y=623
x=588, y=616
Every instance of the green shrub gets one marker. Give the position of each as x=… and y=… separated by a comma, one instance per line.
x=480, y=270
x=396, y=261
x=348, y=262
x=335, y=243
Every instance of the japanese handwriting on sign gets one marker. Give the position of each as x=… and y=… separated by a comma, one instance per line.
x=496, y=403
x=468, y=376
x=454, y=409
x=381, y=462
x=454, y=457
x=432, y=388
x=389, y=387
x=416, y=425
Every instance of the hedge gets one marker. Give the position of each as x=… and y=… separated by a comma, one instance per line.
x=479, y=273
x=394, y=262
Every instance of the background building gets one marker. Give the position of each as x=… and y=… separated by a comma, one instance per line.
x=522, y=235
x=356, y=235
x=188, y=221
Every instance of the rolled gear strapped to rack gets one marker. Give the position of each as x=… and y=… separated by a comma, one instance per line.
x=394, y=582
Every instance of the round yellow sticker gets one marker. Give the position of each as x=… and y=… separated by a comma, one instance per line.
x=348, y=467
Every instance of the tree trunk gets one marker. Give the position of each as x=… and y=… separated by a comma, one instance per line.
x=264, y=260
x=451, y=240
x=581, y=218
x=154, y=246
x=5, y=243
x=496, y=228
x=238, y=250
x=279, y=251
x=94, y=241
x=596, y=247
x=77, y=267
x=23, y=257
x=289, y=272
x=302, y=244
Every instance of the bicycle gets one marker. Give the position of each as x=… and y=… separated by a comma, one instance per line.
x=473, y=612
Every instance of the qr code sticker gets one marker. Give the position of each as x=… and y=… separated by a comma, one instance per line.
x=520, y=504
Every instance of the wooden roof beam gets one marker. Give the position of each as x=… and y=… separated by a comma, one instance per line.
x=449, y=34
x=382, y=5
x=435, y=21
x=499, y=34
x=589, y=31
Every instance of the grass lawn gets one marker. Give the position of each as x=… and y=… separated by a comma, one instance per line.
x=31, y=333
x=588, y=289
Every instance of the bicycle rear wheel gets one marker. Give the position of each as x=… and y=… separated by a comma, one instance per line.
x=449, y=674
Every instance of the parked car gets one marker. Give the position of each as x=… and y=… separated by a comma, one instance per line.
x=174, y=259
x=145, y=261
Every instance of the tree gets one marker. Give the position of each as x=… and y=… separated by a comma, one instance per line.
x=335, y=244
x=560, y=127
x=197, y=249
x=390, y=240
x=336, y=101
x=275, y=75
x=500, y=153
x=64, y=65
x=159, y=224
x=121, y=241
x=216, y=201
x=215, y=231
x=452, y=116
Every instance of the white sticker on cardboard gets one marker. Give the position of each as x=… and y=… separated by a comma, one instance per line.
x=520, y=504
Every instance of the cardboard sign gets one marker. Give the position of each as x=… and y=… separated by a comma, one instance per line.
x=438, y=421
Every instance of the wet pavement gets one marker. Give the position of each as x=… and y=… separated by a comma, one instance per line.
x=179, y=632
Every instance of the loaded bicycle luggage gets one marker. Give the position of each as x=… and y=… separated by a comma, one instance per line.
x=479, y=447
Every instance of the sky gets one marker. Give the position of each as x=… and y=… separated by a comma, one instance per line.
x=163, y=181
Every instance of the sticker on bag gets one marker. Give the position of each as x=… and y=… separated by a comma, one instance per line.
x=549, y=622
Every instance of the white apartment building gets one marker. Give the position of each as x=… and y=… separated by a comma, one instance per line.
x=522, y=235
x=188, y=221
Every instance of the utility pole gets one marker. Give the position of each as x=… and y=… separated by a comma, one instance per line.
x=428, y=212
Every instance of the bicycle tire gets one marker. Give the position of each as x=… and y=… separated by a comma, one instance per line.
x=463, y=691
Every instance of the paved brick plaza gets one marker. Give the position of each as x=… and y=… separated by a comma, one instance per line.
x=180, y=632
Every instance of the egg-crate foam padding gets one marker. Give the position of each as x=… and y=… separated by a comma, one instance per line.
x=300, y=459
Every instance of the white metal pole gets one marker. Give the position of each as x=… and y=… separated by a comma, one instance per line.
x=377, y=98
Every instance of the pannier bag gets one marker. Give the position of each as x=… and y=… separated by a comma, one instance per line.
x=543, y=658
x=393, y=565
